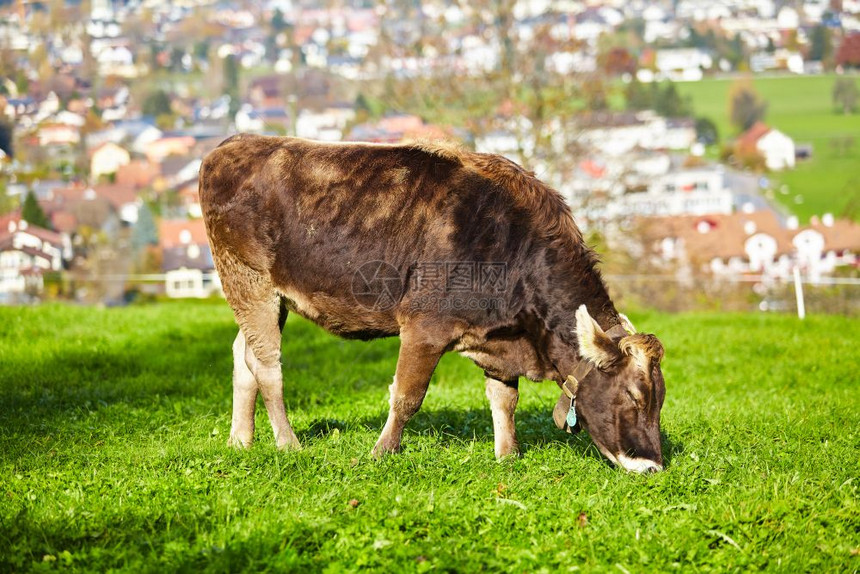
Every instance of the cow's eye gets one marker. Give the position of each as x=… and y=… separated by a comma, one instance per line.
x=637, y=400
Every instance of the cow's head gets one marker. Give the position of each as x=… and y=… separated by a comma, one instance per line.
x=618, y=401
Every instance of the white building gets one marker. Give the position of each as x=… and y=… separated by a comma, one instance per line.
x=692, y=191
x=778, y=150
x=775, y=147
x=107, y=159
x=619, y=134
x=678, y=65
x=191, y=283
x=325, y=125
x=26, y=252
x=755, y=243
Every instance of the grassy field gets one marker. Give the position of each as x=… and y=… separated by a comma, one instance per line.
x=113, y=427
x=800, y=106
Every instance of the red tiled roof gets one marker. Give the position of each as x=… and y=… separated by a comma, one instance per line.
x=64, y=222
x=44, y=234
x=6, y=245
x=117, y=194
x=843, y=234
x=725, y=235
x=138, y=173
x=749, y=138
x=9, y=217
x=170, y=232
x=40, y=232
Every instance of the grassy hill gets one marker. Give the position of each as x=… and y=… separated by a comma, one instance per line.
x=113, y=427
x=800, y=106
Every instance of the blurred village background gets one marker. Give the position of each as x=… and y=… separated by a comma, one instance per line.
x=707, y=147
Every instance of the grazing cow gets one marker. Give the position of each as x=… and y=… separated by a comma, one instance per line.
x=449, y=249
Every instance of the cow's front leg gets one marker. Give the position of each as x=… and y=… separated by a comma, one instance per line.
x=503, y=396
x=419, y=354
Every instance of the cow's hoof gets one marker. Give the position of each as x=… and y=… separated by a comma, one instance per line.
x=237, y=443
x=508, y=455
x=508, y=451
x=288, y=442
x=381, y=449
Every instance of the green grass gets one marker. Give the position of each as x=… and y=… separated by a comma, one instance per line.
x=800, y=106
x=112, y=455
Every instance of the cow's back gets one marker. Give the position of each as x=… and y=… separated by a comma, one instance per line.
x=310, y=215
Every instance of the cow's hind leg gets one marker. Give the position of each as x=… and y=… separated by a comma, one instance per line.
x=420, y=351
x=503, y=396
x=259, y=312
x=263, y=357
x=244, y=396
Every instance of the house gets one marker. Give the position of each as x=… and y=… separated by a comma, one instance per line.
x=156, y=151
x=26, y=253
x=189, y=195
x=123, y=198
x=686, y=191
x=825, y=244
x=753, y=243
x=79, y=216
x=114, y=59
x=16, y=107
x=248, y=119
x=617, y=134
x=326, y=125
x=721, y=244
x=136, y=134
x=177, y=170
x=780, y=59
x=267, y=92
x=58, y=134
x=189, y=270
x=396, y=128
x=107, y=159
x=678, y=65
x=775, y=147
x=137, y=173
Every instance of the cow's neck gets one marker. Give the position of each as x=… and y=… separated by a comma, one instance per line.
x=580, y=285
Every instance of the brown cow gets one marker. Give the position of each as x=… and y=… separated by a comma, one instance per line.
x=449, y=249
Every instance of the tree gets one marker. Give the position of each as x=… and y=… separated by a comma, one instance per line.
x=32, y=212
x=596, y=95
x=7, y=137
x=7, y=202
x=821, y=47
x=845, y=95
x=662, y=98
x=515, y=89
x=640, y=96
x=746, y=106
x=771, y=47
x=617, y=61
x=231, y=75
x=848, y=54
x=278, y=23
x=144, y=232
x=706, y=131
x=157, y=104
x=231, y=82
x=670, y=104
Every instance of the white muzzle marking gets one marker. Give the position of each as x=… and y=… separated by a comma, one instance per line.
x=639, y=465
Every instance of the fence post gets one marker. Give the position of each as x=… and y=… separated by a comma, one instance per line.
x=798, y=291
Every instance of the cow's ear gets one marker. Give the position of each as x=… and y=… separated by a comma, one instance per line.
x=594, y=344
x=627, y=324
